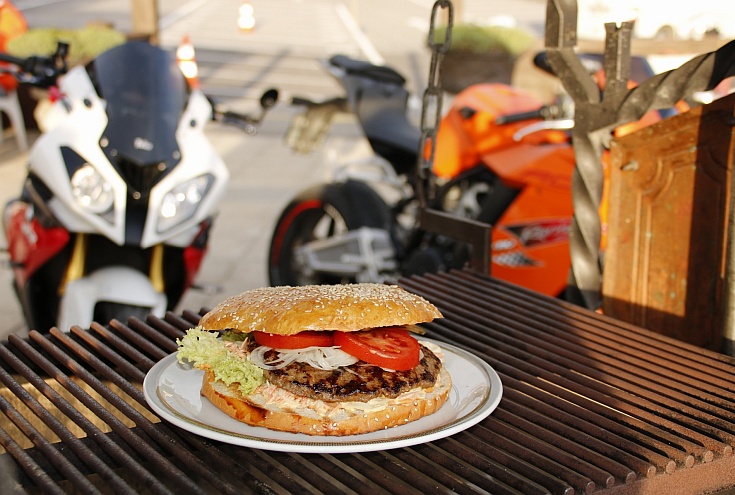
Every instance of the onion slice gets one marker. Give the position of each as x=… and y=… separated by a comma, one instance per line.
x=323, y=358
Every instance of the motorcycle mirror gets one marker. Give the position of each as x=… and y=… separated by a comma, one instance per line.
x=269, y=98
x=541, y=60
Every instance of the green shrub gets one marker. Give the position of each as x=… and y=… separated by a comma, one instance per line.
x=84, y=44
x=473, y=38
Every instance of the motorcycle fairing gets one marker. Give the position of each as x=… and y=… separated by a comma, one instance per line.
x=85, y=122
x=85, y=132
x=468, y=129
x=30, y=245
x=195, y=149
x=145, y=94
x=531, y=239
x=115, y=283
x=550, y=165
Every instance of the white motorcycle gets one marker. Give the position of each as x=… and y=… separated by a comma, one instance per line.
x=122, y=187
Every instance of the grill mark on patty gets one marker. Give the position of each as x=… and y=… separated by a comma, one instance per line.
x=359, y=382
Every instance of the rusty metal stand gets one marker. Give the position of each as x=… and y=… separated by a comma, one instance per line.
x=476, y=234
x=597, y=114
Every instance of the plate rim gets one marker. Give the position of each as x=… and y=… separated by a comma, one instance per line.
x=324, y=444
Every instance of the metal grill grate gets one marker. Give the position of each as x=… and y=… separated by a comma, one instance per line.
x=590, y=404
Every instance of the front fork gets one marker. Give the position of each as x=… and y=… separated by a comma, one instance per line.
x=75, y=270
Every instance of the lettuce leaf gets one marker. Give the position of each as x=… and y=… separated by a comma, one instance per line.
x=206, y=351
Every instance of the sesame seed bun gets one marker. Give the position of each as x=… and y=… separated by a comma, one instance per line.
x=286, y=310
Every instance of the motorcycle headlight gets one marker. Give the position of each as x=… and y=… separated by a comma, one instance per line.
x=181, y=202
x=91, y=190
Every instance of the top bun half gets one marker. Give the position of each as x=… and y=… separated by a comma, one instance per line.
x=285, y=310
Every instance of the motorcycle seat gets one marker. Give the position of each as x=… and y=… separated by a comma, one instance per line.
x=366, y=69
x=390, y=133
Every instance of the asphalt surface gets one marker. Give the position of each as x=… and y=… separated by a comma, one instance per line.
x=264, y=172
x=284, y=50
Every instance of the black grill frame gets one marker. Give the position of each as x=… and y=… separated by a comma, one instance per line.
x=589, y=404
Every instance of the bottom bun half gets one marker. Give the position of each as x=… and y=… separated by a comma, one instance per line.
x=277, y=409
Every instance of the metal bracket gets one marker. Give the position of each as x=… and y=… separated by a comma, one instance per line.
x=598, y=113
x=476, y=234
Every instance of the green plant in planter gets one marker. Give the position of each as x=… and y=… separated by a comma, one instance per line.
x=480, y=54
x=474, y=38
x=84, y=44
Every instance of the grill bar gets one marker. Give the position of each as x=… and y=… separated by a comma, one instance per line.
x=501, y=465
x=121, y=345
x=590, y=405
x=696, y=382
x=41, y=479
x=57, y=460
x=622, y=464
x=149, y=334
x=571, y=373
x=136, y=339
x=152, y=456
x=124, y=431
x=568, y=452
x=699, y=372
x=75, y=445
x=169, y=442
x=517, y=368
x=539, y=359
x=624, y=442
x=121, y=365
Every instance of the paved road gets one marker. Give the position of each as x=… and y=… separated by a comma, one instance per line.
x=284, y=50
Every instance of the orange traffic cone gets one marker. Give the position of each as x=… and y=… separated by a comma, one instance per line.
x=186, y=58
x=246, y=16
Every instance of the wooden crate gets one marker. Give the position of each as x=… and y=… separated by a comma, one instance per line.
x=670, y=194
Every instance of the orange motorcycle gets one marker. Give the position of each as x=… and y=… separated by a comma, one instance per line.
x=501, y=157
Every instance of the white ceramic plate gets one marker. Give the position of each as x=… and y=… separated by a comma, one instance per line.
x=173, y=392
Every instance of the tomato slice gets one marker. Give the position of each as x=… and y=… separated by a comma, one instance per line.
x=307, y=338
x=388, y=347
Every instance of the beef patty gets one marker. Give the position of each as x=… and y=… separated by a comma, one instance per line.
x=358, y=382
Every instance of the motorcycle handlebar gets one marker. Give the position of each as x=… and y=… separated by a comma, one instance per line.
x=300, y=101
x=41, y=71
x=339, y=102
x=546, y=112
x=518, y=117
x=245, y=121
x=5, y=57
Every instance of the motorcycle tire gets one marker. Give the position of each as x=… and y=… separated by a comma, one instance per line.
x=105, y=311
x=319, y=213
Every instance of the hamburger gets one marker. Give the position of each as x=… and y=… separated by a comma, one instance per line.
x=319, y=359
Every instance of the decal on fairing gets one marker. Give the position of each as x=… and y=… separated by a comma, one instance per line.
x=514, y=258
x=509, y=251
x=140, y=143
x=542, y=232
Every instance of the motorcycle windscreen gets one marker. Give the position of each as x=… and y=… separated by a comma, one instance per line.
x=146, y=94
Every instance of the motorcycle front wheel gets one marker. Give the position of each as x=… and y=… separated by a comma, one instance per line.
x=318, y=213
x=106, y=311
